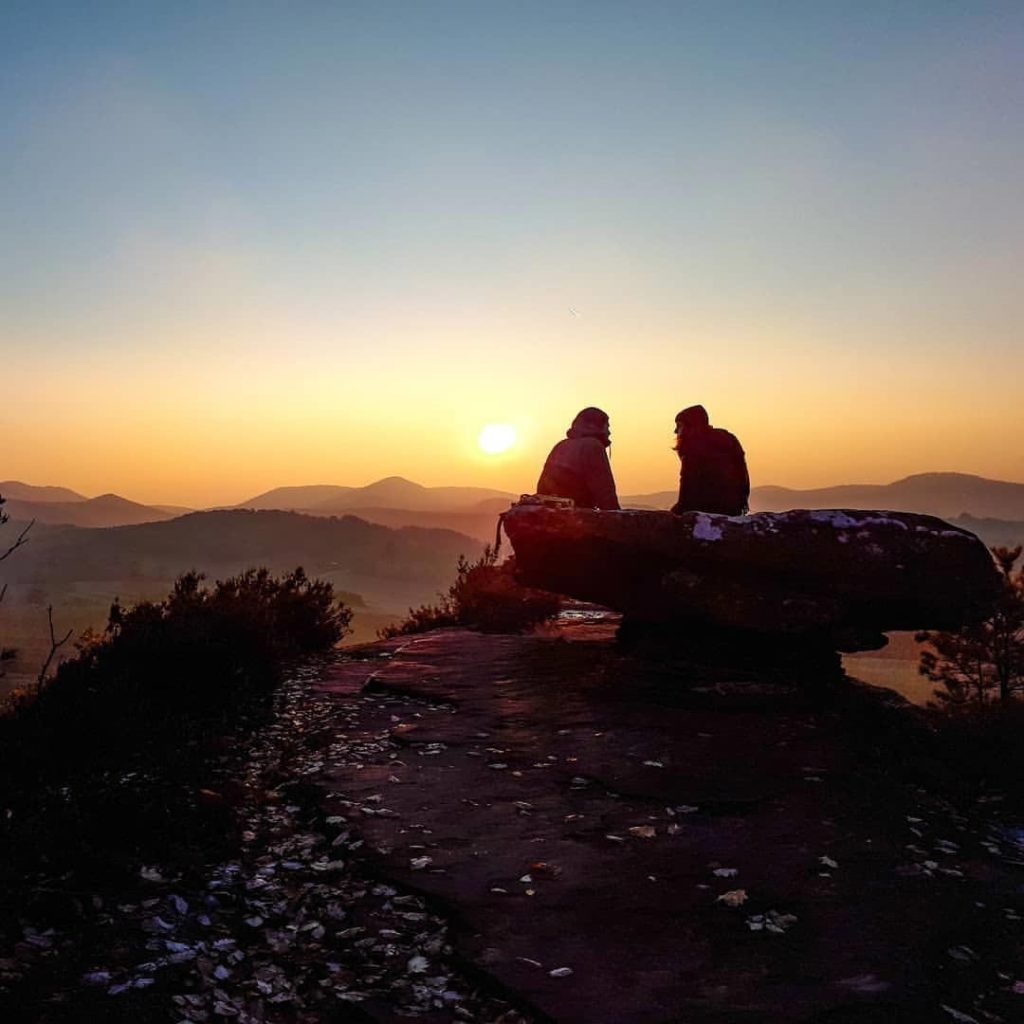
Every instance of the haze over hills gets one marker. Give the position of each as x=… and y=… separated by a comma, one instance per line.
x=945, y=495
x=32, y=492
x=380, y=572
x=395, y=501
x=228, y=541
x=106, y=510
x=391, y=492
x=997, y=506
x=937, y=494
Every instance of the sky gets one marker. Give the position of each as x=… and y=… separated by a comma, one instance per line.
x=252, y=244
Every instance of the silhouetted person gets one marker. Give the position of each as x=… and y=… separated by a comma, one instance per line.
x=578, y=467
x=712, y=467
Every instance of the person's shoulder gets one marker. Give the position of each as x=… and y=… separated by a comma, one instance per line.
x=726, y=438
x=567, y=444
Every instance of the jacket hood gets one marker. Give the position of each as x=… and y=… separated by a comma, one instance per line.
x=590, y=422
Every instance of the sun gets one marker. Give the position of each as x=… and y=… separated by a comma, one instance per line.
x=496, y=438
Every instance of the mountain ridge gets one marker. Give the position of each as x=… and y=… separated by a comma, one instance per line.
x=945, y=494
x=106, y=510
x=940, y=494
x=35, y=492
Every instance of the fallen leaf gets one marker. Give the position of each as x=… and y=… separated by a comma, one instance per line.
x=733, y=898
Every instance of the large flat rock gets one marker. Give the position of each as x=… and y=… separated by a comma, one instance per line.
x=793, y=572
x=579, y=813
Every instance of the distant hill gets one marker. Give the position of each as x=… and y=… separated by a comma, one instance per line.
x=350, y=551
x=659, y=499
x=30, y=492
x=938, y=494
x=292, y=498
x=478, y=521
x=392, y=492
x=106, y=510
x=395, y=500
x=994, y=532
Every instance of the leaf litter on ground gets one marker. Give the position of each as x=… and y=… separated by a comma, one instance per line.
x=288, y=929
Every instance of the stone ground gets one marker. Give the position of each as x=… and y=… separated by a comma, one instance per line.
x=625, y=840
x=460, y=827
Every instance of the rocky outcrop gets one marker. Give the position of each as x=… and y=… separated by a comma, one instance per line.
x=621, y=840
x=826, y=572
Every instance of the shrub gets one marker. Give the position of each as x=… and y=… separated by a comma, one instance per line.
x=105, y=760
x=181, y=666
x=486, y=596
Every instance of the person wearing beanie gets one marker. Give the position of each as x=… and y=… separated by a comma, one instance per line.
x=712, y=466
x=578, y=466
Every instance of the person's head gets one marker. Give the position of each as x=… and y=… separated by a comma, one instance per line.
x=591, y=422
x=691, y=420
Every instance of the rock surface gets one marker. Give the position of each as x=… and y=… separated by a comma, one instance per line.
x=614, y=848
x=827, y=571
x=456, y=827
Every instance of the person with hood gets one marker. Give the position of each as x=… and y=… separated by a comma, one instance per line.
x=578, y=466
x=712, y=466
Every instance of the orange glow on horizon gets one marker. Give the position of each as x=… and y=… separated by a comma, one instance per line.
x=189, y=425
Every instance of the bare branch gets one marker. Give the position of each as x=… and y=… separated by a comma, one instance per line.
x=55, y=646
x=18, y=543
x=6, y=653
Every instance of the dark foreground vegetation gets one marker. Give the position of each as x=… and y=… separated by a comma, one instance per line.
x=979, y=697
x=113, y=763
x=486, y=596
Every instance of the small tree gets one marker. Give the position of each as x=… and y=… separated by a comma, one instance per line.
x=982, y=664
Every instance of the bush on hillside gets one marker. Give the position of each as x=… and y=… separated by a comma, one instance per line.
x=180, y=666
x=106, y=761
x=486, y=596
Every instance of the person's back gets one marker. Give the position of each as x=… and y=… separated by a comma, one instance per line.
x=713, y=468
x=578, y=466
